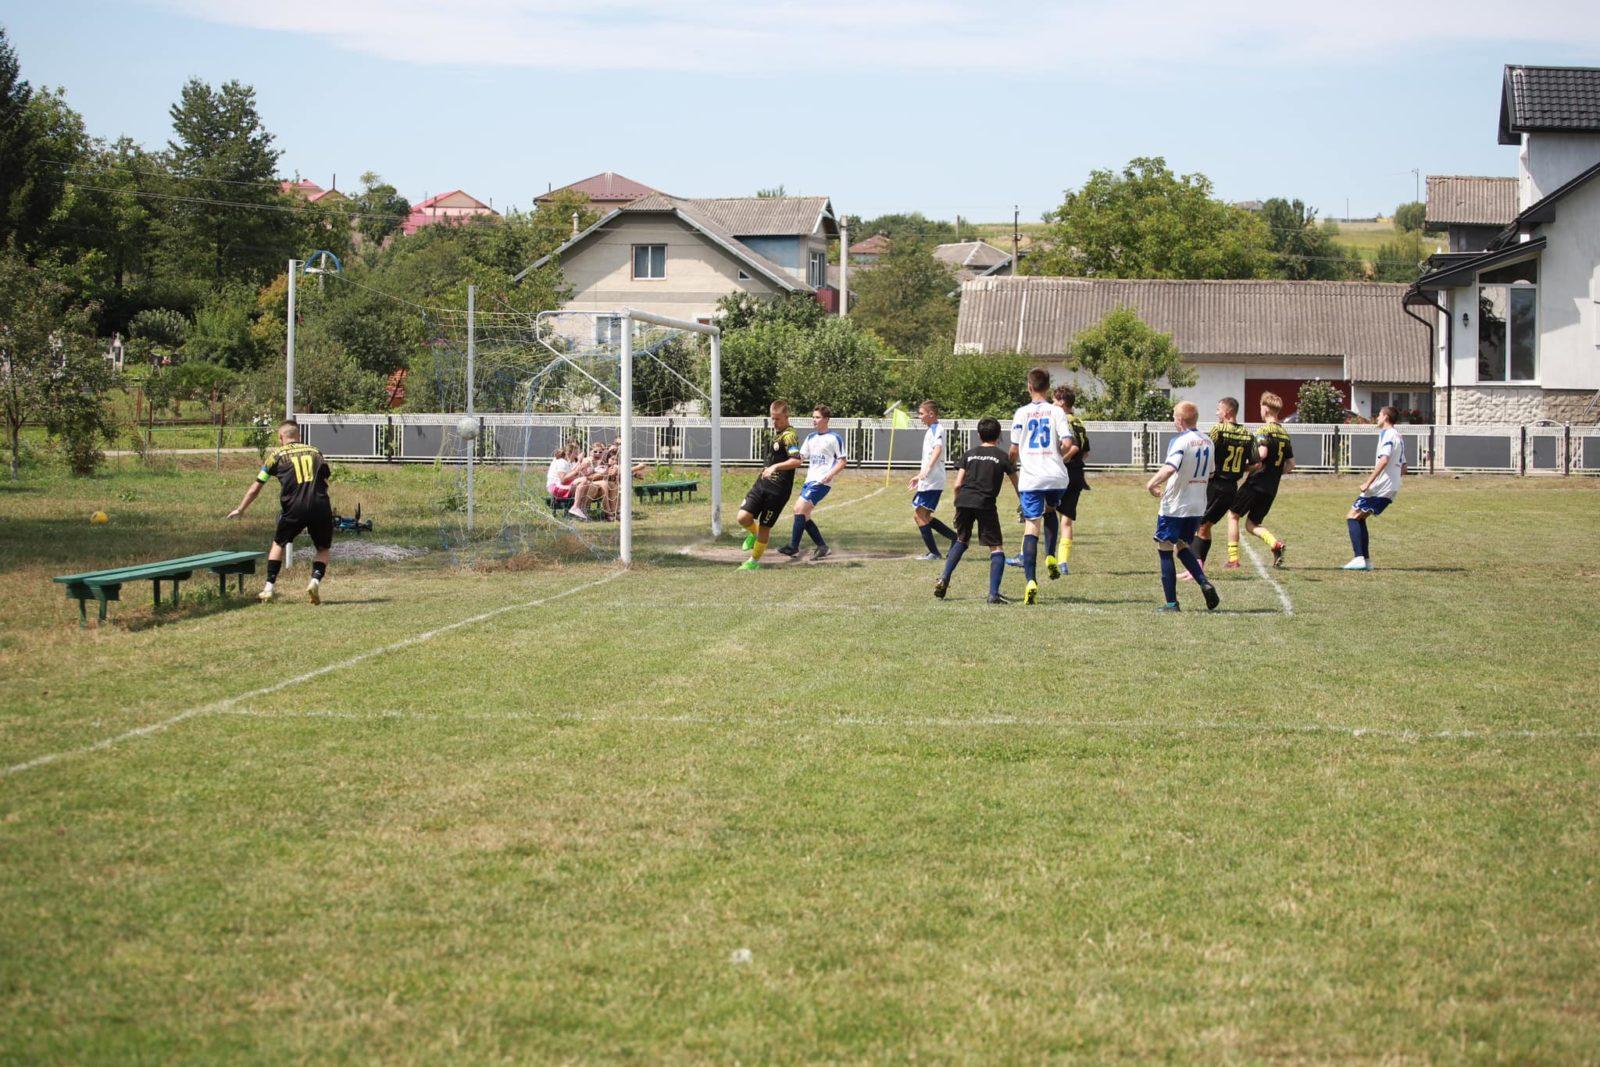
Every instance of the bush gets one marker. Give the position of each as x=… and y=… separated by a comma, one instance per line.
x=966, y=386
x=1129, y=358
x=1409, y=218
x=162, y=327
x=840, y=365
x=1320, y=403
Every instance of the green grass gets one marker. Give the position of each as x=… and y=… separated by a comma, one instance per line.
x=1364, y=832
x=1362, y=237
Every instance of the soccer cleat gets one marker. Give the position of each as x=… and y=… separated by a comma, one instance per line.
x=792, y=551
x=1231, y=565
x=749, y=541
x=822, y=552
x=929, y=557
x=1168, y=609
x=750, y=565
x=1209, y=591
x=1278, y=548
x=1014, y=561
x=997, y=598
x=939, y=588
x=1052, y=567
x=314, y=590
x=267, y=593
x=1030, y=594
x=1358, y=564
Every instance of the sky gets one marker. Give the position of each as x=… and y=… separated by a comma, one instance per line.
x=941, y=106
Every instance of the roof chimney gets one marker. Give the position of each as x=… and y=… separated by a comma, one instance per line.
x=574, y=224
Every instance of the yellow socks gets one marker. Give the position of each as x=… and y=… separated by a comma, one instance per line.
x=1065, y=548
x=1266, y=535
x=1233, y=552
x=759, y=550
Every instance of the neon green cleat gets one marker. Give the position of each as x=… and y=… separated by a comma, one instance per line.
x=749, y=542
x=750, y=565
x=1052, y=568
x=1030, y=595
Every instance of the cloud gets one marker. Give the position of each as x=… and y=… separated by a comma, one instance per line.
x=1046, y=38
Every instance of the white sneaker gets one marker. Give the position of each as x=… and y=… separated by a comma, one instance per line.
x=314, y=590
x=1358, y=564
x=577, y=515
x=266, y=593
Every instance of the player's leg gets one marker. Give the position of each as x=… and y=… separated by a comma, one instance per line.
x=1052, y=535
x=1233, y=542
x=802, y=515
x=958, y=548
x=1202, y=542
x=1069, y=519
x=1356, y=524
x=1033, y=508
x=1169, y=576
x=922, y=514
x=289, y=527
x=990, y=537
x=1191, y=564
x=321, y=530
x=747, y=520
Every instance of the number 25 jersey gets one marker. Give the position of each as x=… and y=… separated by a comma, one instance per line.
x=1037, y=430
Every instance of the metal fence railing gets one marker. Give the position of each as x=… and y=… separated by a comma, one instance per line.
x=875, y=443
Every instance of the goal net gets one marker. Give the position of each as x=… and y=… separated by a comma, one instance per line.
x=576, y=433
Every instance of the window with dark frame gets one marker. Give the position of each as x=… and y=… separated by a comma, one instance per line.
x=649, y=262
x=1508, y=321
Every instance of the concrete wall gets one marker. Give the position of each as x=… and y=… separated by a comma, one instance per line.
x=699, y=273
x=1546, y=161
x=1512, y=404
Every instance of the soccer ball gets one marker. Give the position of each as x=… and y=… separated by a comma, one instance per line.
x=467, y=428
x=99, y=517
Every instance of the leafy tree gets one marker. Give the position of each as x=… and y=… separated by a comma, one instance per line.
x=751, y=360
x=664, y=364
x=1320, y=403
x=1153, y=406
x=773, y=193
x=907, y=299
x=112, y=219
x=1305, y=250
x=233, y=214
x=740, y=310
x=1147, y=222
x=221, y=332
x=161, y=326
x=966, y=386
x=49, y=368
x=1129, y=359
x=1409, y=217
x=839, y=364
x=381, y=208
x=35, y=140
x=911, y=226
x=1399, y=260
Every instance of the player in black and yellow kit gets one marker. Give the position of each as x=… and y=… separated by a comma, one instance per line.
x=1235, y=452
x=1066, y=397
x=303, y=473
x=767, y=498
x=1276, y=456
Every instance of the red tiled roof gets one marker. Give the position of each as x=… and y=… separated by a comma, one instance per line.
x=305, y=186
x=876, y=245
x=607, y=187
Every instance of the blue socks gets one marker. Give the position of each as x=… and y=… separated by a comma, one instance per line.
x=1030, y=557
x=812, y=532
x=1169, y=576
x=1191, y=565
x=927, y=538
x=940, y=528
x=1358, y=536
x=950, y=561
x=799, y=528
x=997, y=571
x=1052, y=532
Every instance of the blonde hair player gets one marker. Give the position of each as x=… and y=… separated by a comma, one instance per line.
x=1275, y=454
x=1180, y=485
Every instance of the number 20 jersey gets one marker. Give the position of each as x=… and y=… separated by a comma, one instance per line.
x=1037, y=430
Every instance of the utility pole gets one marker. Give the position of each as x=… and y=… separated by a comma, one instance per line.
x=472, y=355
x=844, y=265
x=1016, y=236
x=1416, y=172
x=288, y=386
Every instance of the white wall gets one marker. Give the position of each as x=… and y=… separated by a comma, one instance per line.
x=1546, y=161
x=1213, y=381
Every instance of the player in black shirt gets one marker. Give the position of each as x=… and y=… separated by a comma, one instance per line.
x=767, y=498
x=1066, y=397
x=1276, y=455
x=979, y=474
x=1234, y=447
x=303, y=473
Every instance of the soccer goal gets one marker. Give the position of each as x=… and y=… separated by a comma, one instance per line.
x=627, y=400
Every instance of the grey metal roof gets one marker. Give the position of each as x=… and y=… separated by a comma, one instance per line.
x=979, y=255
x=1462, y=200
x=1549, y=99
x=1362, y=323
x=769, y=216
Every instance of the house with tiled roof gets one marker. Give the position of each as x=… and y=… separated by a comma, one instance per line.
x=1241, y=338
x=454, y=208
x=1517, y=321
x=1470, y=210
x=974, y=259
x=312, y=193
x=678, y=256
x=868, y=251
x=604, y=191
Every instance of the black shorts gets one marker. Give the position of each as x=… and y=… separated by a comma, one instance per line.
x=1076, y=484
x=766, y=501
x=987, y=519
x=1254, y=499
x=1220, y=494
x=318, y=522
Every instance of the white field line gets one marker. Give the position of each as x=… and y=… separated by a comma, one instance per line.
x=1261, y=569
x=227, y=703
x=918, y=722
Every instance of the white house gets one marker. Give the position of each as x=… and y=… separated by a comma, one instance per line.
x=1241, y=338
x=1518, y=323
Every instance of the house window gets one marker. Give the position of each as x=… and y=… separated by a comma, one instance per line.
x=649, y=261
x=817, y=276
x=1415, y=405
x=1508, y=338
x=744, y=276
x=607, y=329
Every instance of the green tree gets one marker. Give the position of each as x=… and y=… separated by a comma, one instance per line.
x=1303, y=249
x=1399, y=260
x=740, y=310
x=1146, y=222
x=965, y=386
x=1409, y=217
x=1319, y=403
x=221, y=332
x=115, y=202
x=911, y=226
x=839, y=364
x=751, y=359
x=233, y=217
x=1129, y=359
x=381, y=208
x=31, y=173
x=907, y=299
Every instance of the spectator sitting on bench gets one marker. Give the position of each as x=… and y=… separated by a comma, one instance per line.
x=558, y=483
x=588, y=481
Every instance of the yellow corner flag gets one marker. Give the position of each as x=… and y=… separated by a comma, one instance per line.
x=898, y=420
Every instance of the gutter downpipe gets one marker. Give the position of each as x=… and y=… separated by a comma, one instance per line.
x=1449, y=352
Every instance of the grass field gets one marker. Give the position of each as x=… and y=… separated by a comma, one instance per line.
x=1361, y=237
x=562, y=812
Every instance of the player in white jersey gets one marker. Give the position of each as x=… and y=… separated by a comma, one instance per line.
x=1181, y=485
x=1379, y=490
x=1040, y=434
x=823, y=451
x=927, y=485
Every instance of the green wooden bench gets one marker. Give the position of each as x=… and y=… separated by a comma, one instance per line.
x=683, y=490
x=561, y=507
x=105, y=586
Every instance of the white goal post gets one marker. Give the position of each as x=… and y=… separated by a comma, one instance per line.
x=629, y=317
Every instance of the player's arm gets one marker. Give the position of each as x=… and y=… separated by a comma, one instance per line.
x=250, y=494
x=1162, y=476
x=1069, y=448
x=933, y=460
x=961, y=476
x=1377, y=468
x=833, y=471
